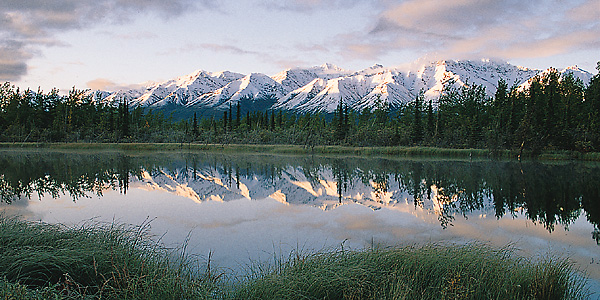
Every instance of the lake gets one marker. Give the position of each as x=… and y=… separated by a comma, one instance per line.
x=247, y=209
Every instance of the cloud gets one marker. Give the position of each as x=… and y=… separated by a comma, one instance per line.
x=498, y=28
x=12, y=60
x=33, y=23
x=103, y=84
x=587, y=11
x=228, y=48
x=290, y=63
x=311, y=5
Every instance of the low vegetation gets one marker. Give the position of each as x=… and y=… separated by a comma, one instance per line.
x=95, y=261
x=403, y=151
x=471, y=271
x=45, y=261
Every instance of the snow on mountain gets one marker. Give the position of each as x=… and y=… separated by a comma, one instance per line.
x=378, y=85
x=321, y=88
x=576, y=72
x=249, y=88
x=127, y=96
x=325, y=95
x=188, y=88
x=363, y=89
x=432, y=78
x=179, y=91
x=296, y=78
x=385, y=86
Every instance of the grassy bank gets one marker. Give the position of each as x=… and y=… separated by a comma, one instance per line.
x=42, y=261
x=426, y=272
x=298, y=149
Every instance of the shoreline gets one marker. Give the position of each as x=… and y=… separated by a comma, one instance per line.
x=404, y=151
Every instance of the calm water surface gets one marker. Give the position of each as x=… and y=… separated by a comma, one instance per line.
x=251, y=208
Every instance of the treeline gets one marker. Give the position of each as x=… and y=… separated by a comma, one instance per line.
x=553, y=112
x=27, y=116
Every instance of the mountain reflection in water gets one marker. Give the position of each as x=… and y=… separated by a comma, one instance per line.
x=549, y=194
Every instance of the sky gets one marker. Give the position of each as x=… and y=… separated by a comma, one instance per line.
x=116, y=44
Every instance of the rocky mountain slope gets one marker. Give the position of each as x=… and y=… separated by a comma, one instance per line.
x=321, y=88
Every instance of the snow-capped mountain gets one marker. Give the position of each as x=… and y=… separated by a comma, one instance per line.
x=321, y=88
x=576, y=72
x=180, y=90
x=246, y=90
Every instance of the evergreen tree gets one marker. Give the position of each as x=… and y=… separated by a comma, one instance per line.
x=124, y=118
x=550, y=84
x=280, y=119
x=430, y=120
x=248, y=121
x=238, y=116
x=195, y=126
x=417, y=126
x=230, y=121
x=339, y=122
x=500, y=112
x=592, y=106
x=225, y=119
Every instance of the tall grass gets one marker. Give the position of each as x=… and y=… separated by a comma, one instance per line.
x=110, y=261
x=471, y=271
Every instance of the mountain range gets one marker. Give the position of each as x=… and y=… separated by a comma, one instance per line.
x=321, y=88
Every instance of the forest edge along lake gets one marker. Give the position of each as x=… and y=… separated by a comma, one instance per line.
x=388, y=151
x=242, y=210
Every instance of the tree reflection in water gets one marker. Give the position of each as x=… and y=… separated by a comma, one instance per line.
x=549, y=194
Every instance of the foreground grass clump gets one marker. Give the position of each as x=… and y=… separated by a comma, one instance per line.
x=108, y=261
x=428, y=272
x=44, y=261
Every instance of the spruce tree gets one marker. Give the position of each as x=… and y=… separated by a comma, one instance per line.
x=124, y=118
x=230, y=122
x=339, y=122
x=248, y=121
x=417, y=127
x=430, y=120
x=592, y=103
x=225, y=119
x=238, y=116
x=195, y=126
x=500, y=113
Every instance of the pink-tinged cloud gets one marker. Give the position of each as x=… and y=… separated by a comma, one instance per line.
x=227, y=48
x=309, y=5
x=103, y=84
x=466, y=28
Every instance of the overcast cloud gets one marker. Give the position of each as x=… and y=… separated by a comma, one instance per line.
x=27, y=24
x=155, y=39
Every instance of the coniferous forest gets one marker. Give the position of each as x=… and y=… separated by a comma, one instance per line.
x=552, y=113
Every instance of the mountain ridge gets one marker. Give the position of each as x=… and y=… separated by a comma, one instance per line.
x=321, y=88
